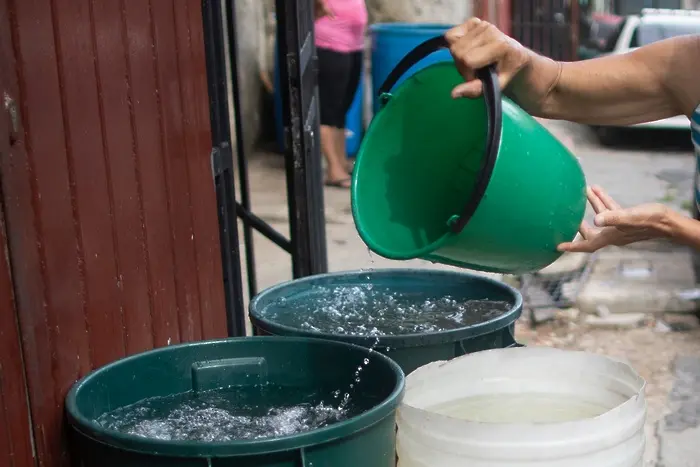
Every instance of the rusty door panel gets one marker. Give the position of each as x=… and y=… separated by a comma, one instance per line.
x=174, y=131
x=111, y=212
x=195, y=114
x=15, y=433
x=120, y=152
x=90, y=202
x=147, y=133
x=15, y=442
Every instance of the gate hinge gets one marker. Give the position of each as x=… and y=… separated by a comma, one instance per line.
x=221, y=159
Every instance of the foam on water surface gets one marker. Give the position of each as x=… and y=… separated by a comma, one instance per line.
x=369, y=310
x=229, y=414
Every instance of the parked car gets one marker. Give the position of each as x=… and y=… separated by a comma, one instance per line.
x=652, y=25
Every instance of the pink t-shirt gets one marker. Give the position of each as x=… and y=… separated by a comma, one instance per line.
x=345, y=32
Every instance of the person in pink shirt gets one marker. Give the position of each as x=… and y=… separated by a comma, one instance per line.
x=340, y=36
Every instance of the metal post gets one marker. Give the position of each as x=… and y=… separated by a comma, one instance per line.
x=240, y=149
x=222, y=164
x=298, y=77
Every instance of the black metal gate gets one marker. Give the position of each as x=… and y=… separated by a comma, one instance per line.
x=549, y=27
x=298, y=75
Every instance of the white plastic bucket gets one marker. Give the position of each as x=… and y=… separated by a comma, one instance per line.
x=523, y=407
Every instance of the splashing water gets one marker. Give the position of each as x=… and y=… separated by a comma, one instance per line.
x=229, y=414
x=368, y=310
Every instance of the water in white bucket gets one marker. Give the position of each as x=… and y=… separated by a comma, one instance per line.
x=521, y=408
x=524, y=407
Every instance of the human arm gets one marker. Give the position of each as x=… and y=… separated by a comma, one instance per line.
x=650, y=83
x=322, y=9
x=617, y=226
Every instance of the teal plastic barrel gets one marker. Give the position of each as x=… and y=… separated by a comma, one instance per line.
x=412, y=286
x=391, y=42
x=249, y=366
x=474, y=183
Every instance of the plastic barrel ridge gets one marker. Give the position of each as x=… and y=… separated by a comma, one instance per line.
x=367, y=439
x=409, y=351
x=543, y=407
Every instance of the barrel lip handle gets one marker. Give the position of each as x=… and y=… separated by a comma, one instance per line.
x=494, y=114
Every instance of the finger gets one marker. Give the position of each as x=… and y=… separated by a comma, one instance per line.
x=606, y=198
x=456, y=33
x=619, y=218
x=586, y=231
x=576, y=247
x=471, y=89
x=595, y=202
x=504, y=79
x=483, y=53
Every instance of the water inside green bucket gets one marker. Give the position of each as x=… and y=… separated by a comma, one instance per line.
x=418, y=165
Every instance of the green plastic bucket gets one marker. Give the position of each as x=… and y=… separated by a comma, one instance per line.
x=474, y=183
x=367, y=439
x=410, y=351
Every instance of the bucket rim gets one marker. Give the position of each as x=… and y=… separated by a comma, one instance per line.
x=196, y=449
x=592, y=434
x=394, y=342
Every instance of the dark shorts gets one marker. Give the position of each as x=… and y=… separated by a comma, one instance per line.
x=338, y=77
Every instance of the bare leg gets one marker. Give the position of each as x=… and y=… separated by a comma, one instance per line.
x=331, y=141
x=340, y=142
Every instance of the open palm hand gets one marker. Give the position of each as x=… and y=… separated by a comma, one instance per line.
x=617, y=226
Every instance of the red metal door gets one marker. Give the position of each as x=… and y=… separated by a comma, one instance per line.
x=15, y=435
x=108, y=194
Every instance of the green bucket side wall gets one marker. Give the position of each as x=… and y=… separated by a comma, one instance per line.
x=373, y=447
x=412, y=358
x=412, y=174
x=535, y=200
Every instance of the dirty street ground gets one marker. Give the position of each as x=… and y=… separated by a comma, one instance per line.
x=636, y=316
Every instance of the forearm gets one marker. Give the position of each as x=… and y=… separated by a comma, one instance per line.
x=684, y=230
x=645, y=85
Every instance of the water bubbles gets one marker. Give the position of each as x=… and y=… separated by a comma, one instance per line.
x=227, y=415
x=372, y=310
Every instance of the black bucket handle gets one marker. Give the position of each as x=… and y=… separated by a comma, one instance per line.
x=494, y=115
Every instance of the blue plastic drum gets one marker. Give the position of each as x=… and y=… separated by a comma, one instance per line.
x=392, y=41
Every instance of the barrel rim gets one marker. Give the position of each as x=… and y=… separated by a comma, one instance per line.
x=194, y=449
x=403, y=27
x=401, y=341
